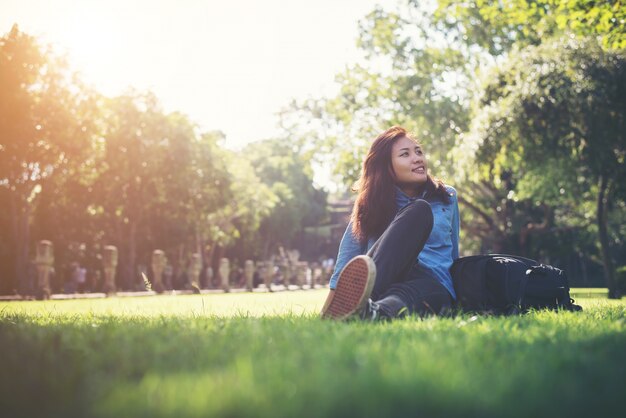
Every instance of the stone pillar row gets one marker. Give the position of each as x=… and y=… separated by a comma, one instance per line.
x=299, y=270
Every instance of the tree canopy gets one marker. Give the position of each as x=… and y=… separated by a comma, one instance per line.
x=85, y=171
x=518, y=104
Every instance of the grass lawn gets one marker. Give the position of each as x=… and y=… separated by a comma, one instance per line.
x=268, y=355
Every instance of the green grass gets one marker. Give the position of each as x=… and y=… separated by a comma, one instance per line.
x=268, y=355
x=589, y=292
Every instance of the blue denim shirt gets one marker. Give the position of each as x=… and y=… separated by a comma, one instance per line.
x=440, y=250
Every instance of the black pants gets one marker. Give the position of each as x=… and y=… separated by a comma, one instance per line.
x=401, y=285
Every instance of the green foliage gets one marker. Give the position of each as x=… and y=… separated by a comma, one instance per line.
x=551, y=120
x=173, y=356
x=42, y=130
x=251, y=201
x=542, y=145
x=287, y=172
x=562, y=99
x=413, y=77
x=498, y=26
x=46, y=131
x=85, y=171
x=547, y=120
x=603, y=19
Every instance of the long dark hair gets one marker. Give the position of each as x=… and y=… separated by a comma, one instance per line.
x=375, y=205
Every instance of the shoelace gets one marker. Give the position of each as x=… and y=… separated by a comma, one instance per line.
x=371, y=311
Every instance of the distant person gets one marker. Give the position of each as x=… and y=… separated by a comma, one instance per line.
x=72, y=282
x=168, y=271
x=395, y=255
x=81, y=280
x=327, y=268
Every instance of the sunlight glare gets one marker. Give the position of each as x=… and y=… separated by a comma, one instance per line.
x=91, y=43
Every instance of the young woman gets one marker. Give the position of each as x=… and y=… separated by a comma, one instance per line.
x=401, y=240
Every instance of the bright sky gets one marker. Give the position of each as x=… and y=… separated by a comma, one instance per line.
x=228, y=64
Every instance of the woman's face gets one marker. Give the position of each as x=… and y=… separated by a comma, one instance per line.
x=409, y=163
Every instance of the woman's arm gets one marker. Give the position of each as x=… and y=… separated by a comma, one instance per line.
x=455, y=228
x=349, y=248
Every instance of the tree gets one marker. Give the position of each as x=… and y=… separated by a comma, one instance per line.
x=553, y=117
x=414, y=76
x=287, y=172
x=44, y=127
x=163, y=184
x=426, y=60
x=240, y=216
x=499, y=26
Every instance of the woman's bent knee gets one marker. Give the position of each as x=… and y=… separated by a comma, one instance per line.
x=419, y=210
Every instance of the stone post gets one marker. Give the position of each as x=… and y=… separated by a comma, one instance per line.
x=193, y=272
x=158, y=265
x=267, y=273
x=316, y=277
x=168, y=272
x=260, y=268
x=301, y=269
x=44, y=260
x=248, y=271
x=287, y=273
x=109, y=261
x=225, y=273
x=308, y=277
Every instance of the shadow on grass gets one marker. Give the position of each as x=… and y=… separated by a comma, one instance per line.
x=540, y=364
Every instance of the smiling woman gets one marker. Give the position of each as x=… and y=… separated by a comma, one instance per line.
x=408, y=162
x=407, y=224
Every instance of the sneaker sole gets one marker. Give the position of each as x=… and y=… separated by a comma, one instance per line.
x=354, y=287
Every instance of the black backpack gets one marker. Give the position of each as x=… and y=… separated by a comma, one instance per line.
x=507, y=284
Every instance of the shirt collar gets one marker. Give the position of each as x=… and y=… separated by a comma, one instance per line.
x=403, y=199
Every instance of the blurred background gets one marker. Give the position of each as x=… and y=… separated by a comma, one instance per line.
x=237, y=129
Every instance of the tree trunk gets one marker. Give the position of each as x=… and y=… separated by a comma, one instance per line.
x=132, y=257
x=21, y=237
x=496, y=235
x=209, y=264
x=217, y=255
x=602, y=216
x=266, y=246
x=583, y=269
x=535, y=228
x=198, y=237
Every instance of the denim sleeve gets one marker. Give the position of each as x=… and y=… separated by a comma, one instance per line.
x=349, y=248
x=455, y=228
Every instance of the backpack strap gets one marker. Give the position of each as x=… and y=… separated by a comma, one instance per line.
x=515, y=257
